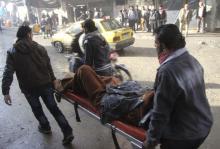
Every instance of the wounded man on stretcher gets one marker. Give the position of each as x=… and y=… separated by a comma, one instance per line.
x=116, y=100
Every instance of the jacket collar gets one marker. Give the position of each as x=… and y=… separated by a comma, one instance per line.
x=174, y=54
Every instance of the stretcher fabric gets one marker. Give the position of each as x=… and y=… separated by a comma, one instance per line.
x=136, y=132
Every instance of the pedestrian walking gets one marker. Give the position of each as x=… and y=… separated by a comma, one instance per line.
x=201, y=14
x=31, y=63
x=185, y=17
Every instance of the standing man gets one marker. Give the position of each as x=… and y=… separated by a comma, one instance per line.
x=153, y=18
x=138, y=17
x=35, y=76
x=125, y=14
x=201, y=13
x=181, y=116
x=185, y=17
x=163, y=15
x=132, y=17
x=101, y=13
x=146, y=18
x=95, y=14
x=121, y=17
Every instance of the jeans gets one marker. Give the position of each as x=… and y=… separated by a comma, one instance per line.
x=181, y=144
x=46, y=93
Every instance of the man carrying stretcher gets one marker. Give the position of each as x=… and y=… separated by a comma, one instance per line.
x=181, y=117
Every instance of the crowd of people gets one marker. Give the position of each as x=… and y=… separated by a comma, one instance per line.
x=48, y=24
x=89, y=14
x=144, y=19
x=148, y=18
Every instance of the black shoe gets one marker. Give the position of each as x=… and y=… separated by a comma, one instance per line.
x=44, y=130
x=68, y=139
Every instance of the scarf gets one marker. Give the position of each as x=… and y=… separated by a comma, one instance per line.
x=163, y=56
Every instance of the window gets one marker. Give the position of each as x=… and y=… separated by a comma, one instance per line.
x=74, y=29
x=110, y=24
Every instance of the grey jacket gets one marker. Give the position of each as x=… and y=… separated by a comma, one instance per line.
x=181, y=110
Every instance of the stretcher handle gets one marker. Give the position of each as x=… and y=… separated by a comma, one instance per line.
x=76, y=112
x=115, y=138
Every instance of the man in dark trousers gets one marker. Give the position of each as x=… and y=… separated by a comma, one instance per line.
x=35, y=76
x=181, y=117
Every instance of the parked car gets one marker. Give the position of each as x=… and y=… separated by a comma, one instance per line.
x=117, y=36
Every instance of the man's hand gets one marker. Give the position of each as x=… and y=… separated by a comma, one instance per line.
x=57, y=85
x=7, y=99
x=148, y=146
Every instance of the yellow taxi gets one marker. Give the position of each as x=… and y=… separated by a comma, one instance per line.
x=117, y=36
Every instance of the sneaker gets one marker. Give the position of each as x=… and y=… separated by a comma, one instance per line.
x=68, y=139
x=44, y=130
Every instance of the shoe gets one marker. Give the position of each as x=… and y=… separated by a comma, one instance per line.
x=44, y=130
x=68, y=139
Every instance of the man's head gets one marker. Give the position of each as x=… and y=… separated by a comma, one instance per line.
x=201, y=4
x=168, y=38
x=186, y=6
x=152, y=7
x=24, y=32
x=89, y=26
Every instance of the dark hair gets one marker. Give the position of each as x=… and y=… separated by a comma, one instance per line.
x=170, y=36
x=23, y=32
x=89, y=24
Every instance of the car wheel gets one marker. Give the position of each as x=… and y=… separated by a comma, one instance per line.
x=59, y=47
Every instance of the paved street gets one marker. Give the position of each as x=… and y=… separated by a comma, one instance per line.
x=18, y=127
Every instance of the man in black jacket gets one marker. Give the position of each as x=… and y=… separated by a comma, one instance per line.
x=35, y=76
x=181, y=116
x=96, y=49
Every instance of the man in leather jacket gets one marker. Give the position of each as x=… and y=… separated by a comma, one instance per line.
x=35, y=76
x=96, y=49
x=181, y=116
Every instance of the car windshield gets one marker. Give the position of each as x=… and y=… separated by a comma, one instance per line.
x=110, y=24
x=74, y=29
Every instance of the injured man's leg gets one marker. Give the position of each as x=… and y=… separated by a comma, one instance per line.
x=86, y=81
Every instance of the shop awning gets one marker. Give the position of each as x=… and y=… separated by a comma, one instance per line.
x=43, y=3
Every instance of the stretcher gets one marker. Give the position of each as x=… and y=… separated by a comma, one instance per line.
x=135, y=135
